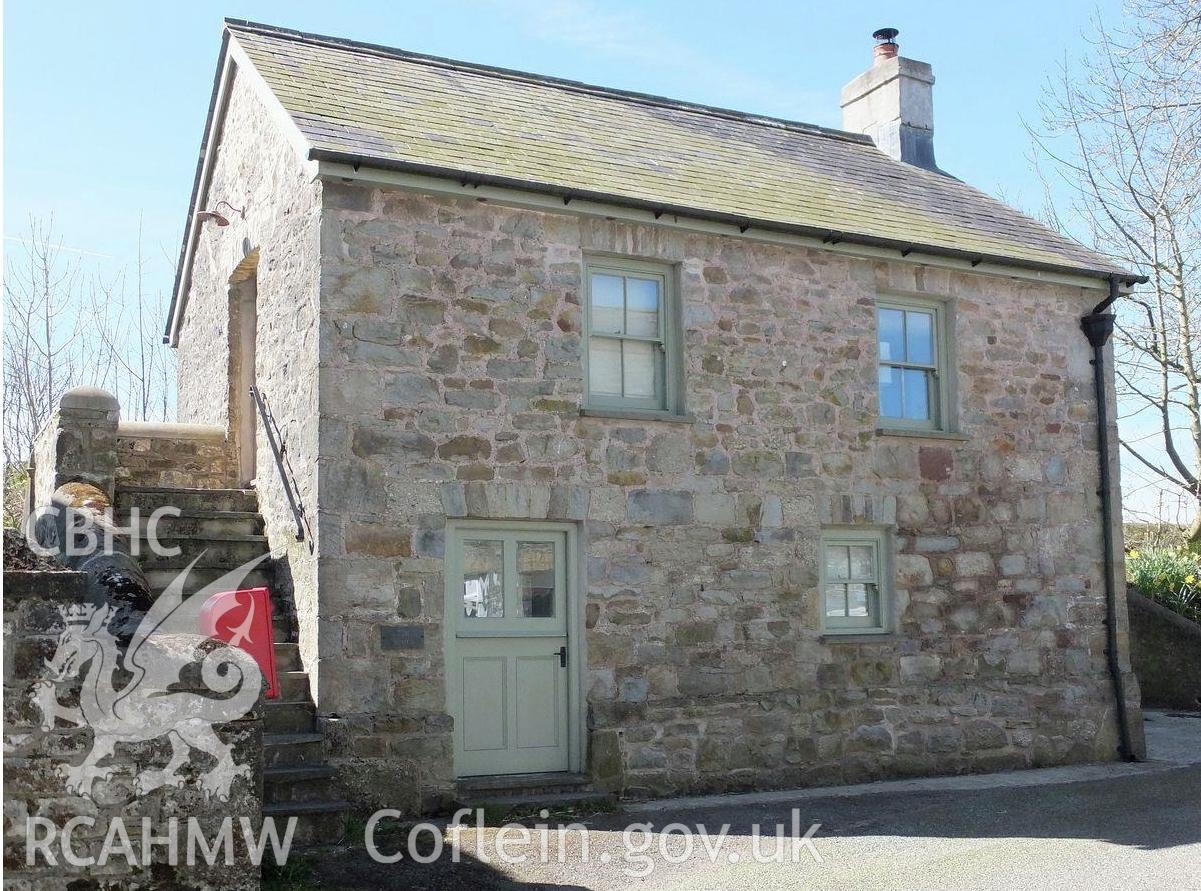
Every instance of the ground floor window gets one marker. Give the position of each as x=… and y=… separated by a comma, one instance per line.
x=854, y=582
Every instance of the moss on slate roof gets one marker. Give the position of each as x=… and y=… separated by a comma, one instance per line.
x=389, y=108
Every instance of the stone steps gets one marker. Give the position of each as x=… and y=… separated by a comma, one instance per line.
x=282, y=785
x=282, y=716
x=221, y=530
x=293, y=685
x=196, y=523
x=225, y=552
x=147, y=499
x=204, y=575
x=297, y=781
x=293, y=750
x=317, y=822
x=287, y=658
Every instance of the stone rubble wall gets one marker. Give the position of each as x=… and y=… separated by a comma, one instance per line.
x=190, y=456
x=275, y=245
x=1165, y=649
x=77, y=444
x=450, y=371
x=33, y=757
x=85, y=441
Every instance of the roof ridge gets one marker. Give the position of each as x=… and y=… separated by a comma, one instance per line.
x=547, y=80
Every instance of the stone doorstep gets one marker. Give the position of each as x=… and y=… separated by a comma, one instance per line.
x=530, y=791
x=517, y=781
x=554, y=801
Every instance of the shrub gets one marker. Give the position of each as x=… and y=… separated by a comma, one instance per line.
x=1169, y=576
x=16, y=493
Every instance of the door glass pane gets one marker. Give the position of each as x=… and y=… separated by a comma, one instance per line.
x=642, y=307
x=891, y=405
x=483, y=579
x=639, y=366
x=917, y=394
x=837, y=562
x=862, y=562
x=919, y=337
x=836, y=600
x=892, y=335
x=607, y=304
x=536, y=575
x=604, y=366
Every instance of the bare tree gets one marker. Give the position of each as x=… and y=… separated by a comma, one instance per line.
x=41, y=347
x=133, y=364
x=64, y=328
x=1122, y=132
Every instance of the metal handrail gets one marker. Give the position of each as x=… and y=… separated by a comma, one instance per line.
x=278, y=449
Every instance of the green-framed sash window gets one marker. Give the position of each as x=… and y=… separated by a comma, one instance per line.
x=913, y=357
x=632, y=353
x=854, y=582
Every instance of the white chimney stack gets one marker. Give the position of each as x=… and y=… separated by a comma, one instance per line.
x=893, y=103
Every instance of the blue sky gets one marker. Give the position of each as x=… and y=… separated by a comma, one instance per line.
x=104, y=102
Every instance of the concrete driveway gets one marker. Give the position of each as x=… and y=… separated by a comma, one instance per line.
x=1115, y=826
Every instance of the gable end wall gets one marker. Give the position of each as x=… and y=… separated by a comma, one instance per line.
x=257, y=168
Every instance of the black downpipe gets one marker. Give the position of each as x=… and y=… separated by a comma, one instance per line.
x=1097, y=327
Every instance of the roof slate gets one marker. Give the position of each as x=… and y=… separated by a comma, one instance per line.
x=382, y=107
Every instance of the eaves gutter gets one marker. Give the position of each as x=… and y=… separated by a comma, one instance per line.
x=826, y=236
x=204, y=168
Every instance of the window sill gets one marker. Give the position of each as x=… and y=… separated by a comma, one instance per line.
x=921, y=434
x=858, y=637
x=632, y=414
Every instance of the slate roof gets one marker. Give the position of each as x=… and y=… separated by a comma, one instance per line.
x=387, y=108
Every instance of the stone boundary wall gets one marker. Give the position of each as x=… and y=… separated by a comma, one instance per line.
x=86, y=441
x=34, y=787
x=1165, y=649
x=194, y=456
x=78, y=444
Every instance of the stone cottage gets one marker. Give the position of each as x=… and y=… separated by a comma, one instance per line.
x=648, y=446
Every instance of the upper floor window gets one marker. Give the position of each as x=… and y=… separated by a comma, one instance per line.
x=632, y=350
x=911, y=335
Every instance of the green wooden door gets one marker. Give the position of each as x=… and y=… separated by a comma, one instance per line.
x=507, y=666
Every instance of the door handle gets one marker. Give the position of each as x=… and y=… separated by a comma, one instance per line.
x=563, y=656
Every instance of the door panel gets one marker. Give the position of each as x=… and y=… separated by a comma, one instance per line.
x=485, y=703
x=507, y=685
x=538, y=714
